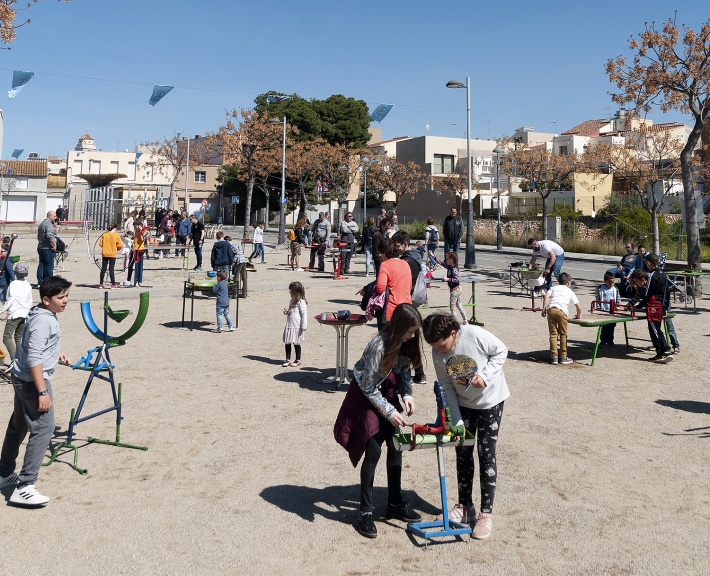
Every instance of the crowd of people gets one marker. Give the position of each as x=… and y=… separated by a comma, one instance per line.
x=380, y=397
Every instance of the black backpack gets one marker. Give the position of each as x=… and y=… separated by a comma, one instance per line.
x=367, y=292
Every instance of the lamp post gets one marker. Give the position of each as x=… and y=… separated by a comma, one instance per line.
x=282, y=200
x=470, y=261
x=499, y=231
x=187, y=175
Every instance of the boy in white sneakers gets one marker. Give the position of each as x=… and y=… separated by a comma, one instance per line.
x=555, y=307
x=32, y=370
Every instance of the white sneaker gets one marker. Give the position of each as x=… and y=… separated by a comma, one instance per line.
x=10, y=480
x=232, y=329
x=28, y=496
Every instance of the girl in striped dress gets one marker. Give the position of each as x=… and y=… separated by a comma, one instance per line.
x=296, y=322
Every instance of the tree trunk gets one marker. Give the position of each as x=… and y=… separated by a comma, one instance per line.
x=171, y=202
x=691, y=224
x=303, y=202
x=247, y=203
x=544, y=216
x=655, y=236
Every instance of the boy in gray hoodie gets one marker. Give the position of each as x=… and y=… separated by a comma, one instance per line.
x=32, y=370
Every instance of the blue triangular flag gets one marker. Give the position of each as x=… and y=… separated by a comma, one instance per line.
x=138, y=155
x=380, y=112
x=158, y=93
x=19, y=79
x=17, y=152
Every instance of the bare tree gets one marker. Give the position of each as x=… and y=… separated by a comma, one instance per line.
x=670, y=69
x=169, y=157
x=8, y=19
x=456, y=185
x=647, y=165
x=542, y=172
x=391, y=176
x=248, y=141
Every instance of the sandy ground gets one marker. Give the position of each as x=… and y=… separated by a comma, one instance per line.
x=602, y=470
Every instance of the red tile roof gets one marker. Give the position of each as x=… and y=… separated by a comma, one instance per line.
x=586, y=128
x=25, y=168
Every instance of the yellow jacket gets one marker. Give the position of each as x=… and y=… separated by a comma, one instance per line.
x=110, y=243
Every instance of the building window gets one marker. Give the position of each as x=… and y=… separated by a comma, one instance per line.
x=78, y=168
x=21, y=183
x=200, y=177
x=563, y=150
x=94, y=167
x=148, y=173
x=443, y=164
x=114, y=167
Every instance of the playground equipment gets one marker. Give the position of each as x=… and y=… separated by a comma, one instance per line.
x=100, y=367
x=438, y=435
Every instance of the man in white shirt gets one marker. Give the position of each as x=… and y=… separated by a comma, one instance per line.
x=554, y=258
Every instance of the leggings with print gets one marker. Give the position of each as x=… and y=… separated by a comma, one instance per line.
x=486, y=423
x=455, y=303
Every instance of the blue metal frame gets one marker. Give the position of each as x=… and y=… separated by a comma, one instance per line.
x=445, y=527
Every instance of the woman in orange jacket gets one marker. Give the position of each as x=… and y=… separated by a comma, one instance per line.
x=110, y=243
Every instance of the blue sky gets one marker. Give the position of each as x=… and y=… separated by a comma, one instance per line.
x=530, y=63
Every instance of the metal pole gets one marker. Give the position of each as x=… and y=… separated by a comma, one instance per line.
x=470, y=241
x=499, y=230
x=282, y=213
x=364, y=206
x=2, y=175
x=187, y=174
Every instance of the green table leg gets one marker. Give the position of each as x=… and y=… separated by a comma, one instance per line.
x=472, y=301
x=626, y=333
x=596, y=345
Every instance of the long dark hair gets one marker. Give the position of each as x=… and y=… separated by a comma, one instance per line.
x=439, y=326
x=404, y=317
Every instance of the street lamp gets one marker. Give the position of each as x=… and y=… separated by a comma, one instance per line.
x=282, y=200
x=470, y=242
x=499, y=231
x=187, y=175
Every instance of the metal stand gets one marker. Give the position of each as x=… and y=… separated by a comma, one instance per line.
x=532, y=306
x=100, y=365
x=444, y=527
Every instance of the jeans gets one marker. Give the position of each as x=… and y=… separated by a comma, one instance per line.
x=198, y=254
x=451, y=246
x=138, y=279
x=223, y=311
x=45, y=267
x=27, y=418
x=258, y=251
x=556, y=269
x=431, y=248
x=368, y=258
x=180, y=241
